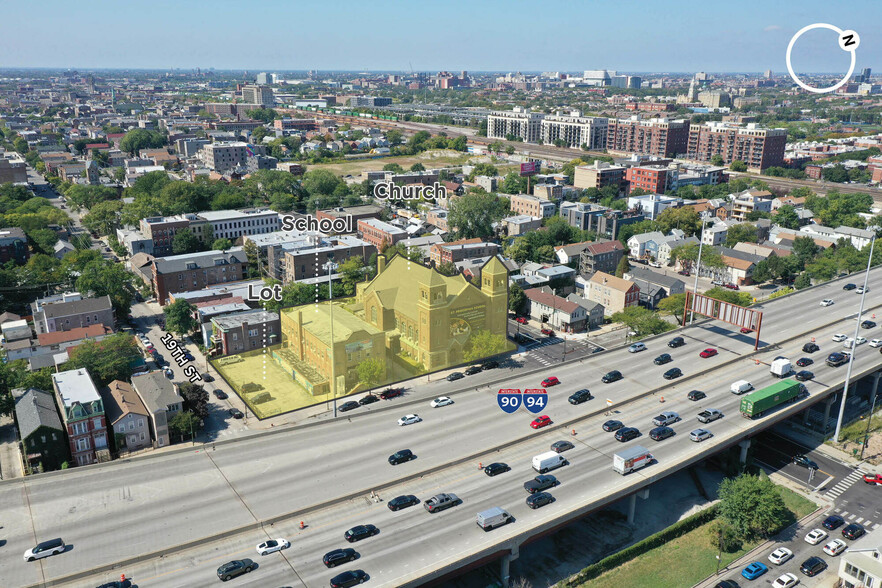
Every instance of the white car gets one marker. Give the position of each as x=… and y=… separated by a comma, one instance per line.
x=839, y=337
x=785, y=581
x=875, y=342
x=780, y=555
x=849, y=343
x=272, y=546
x=826, y=302
x=860, y=290
x=441, y=401
x=637, y=347
x=815, y=536
x=409, y=420
x=700, y=435
x=835, y=547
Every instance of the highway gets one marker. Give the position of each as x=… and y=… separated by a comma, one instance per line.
x=172, y=499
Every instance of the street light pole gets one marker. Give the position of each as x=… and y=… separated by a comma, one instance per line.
x=870, y=416
x=697, y=269
x=330, y=266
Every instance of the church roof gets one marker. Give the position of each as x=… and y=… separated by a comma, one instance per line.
x=398, y=285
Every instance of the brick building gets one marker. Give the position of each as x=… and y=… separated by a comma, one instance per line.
x=524, y=204
x=14, y=245
x=661, y=137
x=759, y=148
x=194, y=271
x=244, y=331
x=376, y=232
x=459, y=250
x=82, y=411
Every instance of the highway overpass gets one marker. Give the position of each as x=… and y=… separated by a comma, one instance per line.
x=144, y=512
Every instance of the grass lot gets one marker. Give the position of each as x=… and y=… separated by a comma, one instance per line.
x=687, y=559
x=430, y=159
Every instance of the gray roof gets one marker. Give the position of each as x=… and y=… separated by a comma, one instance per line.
x=156, y=391
x=252, y=317
x=651, y=277
x=843, y=230
x=734, y=253
x=34, y=409
x=206, y=259
x=586, y=304
x=84, y=306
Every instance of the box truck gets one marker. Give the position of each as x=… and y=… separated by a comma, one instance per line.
x=548, y=461
x=781, y=367
x=492, y=518
x=631, y=459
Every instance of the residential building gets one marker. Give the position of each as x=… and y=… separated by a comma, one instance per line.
x=14, y=329
x=739, y=265
x=654, y=286
x=245, y=331
x=70, y=311
x=651, y=178
x=524, y=204
x=519, y=122
x=593, y=311
x=12, y=172
x=82, y=411
x=257, y=94
x=860, y=566
x=521, y=224
x=757, y=147
x=559, y=313
x=661, y=137
x=599, y=175
x=455, y=251
x=601, y=257
x=194, y=271
x=859, y=238
x=652, y=205
x=207, y=226
x=553, y=192
x=224, y=156
x=717, y=233
x=567, y=254
x=615, y=294
x=749, y=201
x=488, y=183
x=14, y=245
x=162, y=402
x=574, y=130
x=40, y=430
x=645, y=245
x=665, y=249
x=606, y=222
x=127, y=417
x=380, y=234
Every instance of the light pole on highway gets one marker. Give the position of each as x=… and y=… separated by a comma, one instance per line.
x=854, y=345
x=330, y=266
x=697, y=269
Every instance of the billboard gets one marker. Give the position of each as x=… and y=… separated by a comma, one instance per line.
x=530, y=168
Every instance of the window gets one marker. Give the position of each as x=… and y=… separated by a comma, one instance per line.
x=131, y=425
x=122, y=428
x=142, y=436
x=140, y=423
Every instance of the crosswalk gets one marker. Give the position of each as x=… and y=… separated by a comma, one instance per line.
x=853, y=518
x=844, y=484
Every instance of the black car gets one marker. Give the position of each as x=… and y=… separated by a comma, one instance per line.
x=805, y=462
x=207, y=378
x=160, y=360
x=455, y=376
x=804, y=376
x=472, y=370
x=561, y=446
x=663, y=359
x=236, y=413
x=338, y=556
x=626, y=434
x=804, y=362
x=117, y=584
x=853, y=531
x=369, y=399
x=540, y=483
x=393, y=393
x=810, y=348
x=672, y=373
x=868, y=325
x=726, y=584
x=849, y=287
x=496, y=468
x=837, y=359
x=350, y=405
x=539, y=499
x=400, y=502
x=401, y=456
x=833, y=522
x=220, y=394
x=813, y=566
x=610, y=426
x=350, y=578
x=696, y=395
x=677, y=342
x=360, y=532
x=234, y=568
x=490, y=365
x=612, y=376
x=661, y=433
x=580, y=396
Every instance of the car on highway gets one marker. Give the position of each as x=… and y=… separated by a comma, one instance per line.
x=849, y=343
x=236, y=413
x=391, y=393
x=696, y=395
x=677, y=342
x=235, y=568
x=473, y=369
x=699, y=435
x=754, y=570
x=787, y=580
x=868, y=325
x=272, y=546
x=540, y=483
x=547, y=332
x=409, y=419
x=401, y=456
x=837, y=359
x=336, y=557
x=875, y=342
x=496, y=468
x=403, y=501
x=826, y=302
x=853, y=531
x=861, y=290
x=849, y=287
x=548, y=382
x=780, y=555
x=350, y=405
x=45, y=549
x=833, y=522
x=539, y=499
x=813, y=566
x=359, y=532
x=835, y=547
x=220, y=394
x=661, y=433
x=810, y=347
x=349, y=578
x=804, y=362
x=612, y=425
x=636, y=347
x=709, y=352
x=441, y=401
x=663, y=359
x=612, y=376
x=454, y=376
x=125, y=583
x=839, y=337
x=805, y=462
x=668, y=417
x=804, y=375
x=561, y=446
x=875, y=479
x=369, y=399
x=745, y=330
x=672, y=374
x=580, y=396
x=522, y=320
x=815, y=536
x=626, y=434
x=540, y=421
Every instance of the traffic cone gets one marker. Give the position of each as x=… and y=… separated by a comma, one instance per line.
x=122, y=577
x=574, y=432
x=480, y=466
x=813, y=339
x=662, y=399
x=302, y=526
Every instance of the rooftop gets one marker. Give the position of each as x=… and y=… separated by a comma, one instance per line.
x=250, y=317
x=75, y=386
x=34, y=409
x=155, y=390
x=206, y=259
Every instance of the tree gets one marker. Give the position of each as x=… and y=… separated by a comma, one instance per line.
x=351, y=272
x=112, y=358
x=509, y=150
x=684, y=218
x=417, y=167
x=743, y=233
x=103, y=218
x=44, y=240
x=184, y=423
x=753, y=506
x=673, y=305
x=837, y=173
x=321, y=181
x=138, y=139
x=370, y=372
x=786, y=217
x=802, y=281
x=738, y=166
x=266, y=115
x=447, y=269
x=179, y=317
x=103, y=278
x=394, y=168
x=623, y=267
x=473, y=215
x=394, y=137
x=483, y=344
x=730, y=296
x=514, y=184
x=185, y=241
x=195, y=399
x=517, y=300
x=642, y=320
x=717, y=159
x=252, y=253
x=221, y=244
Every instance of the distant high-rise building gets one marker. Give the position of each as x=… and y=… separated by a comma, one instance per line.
x=865, y=75
x=661, y=137
x=759, y=148
x=635, y=82
x=701, y=77
x=519, y=122
x=768, y=74
x=263, y=78
x=257, y=94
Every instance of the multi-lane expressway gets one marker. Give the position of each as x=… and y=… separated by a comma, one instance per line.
x=323, y=475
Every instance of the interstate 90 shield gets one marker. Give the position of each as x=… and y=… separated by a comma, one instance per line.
x=509, y=399
x=535, y=399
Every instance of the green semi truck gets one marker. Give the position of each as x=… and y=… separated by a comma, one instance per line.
x=755, y=404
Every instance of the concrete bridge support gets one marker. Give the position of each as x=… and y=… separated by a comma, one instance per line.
x=744, y=445
x=632, y=503
x=505, y=565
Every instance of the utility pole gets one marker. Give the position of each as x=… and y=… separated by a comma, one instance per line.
x=870, y=416
x=697, y=270
x=330, y=266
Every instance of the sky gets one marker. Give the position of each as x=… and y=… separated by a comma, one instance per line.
x=476, y=35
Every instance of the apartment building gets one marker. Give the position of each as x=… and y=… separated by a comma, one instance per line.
x=258, y=94
x=599, y=175
x=652, y=178
x=194, y=271
x=244, y=331
x=520, y=122
x=757, y=147
x=82, y=411
x=305, y=258
x=750, y=201
x=660, y=137
x=70, y=311
x=12, y=171
x=224, y=156
x=524, y=204
x=162, y=402
x=652, y=205
x=456, y=251
x=575, y=130
x=377, y=232
x=601, y=257
x=552, y=192
x=127, y=417
x=615, y=294
x=14, y=245
x=208, y=226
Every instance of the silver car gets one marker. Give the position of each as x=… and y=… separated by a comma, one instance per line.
x=700, y=435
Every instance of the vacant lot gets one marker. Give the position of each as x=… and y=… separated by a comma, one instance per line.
x=430, y=159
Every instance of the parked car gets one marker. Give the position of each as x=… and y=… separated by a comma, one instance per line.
x=454, y=376
x=490, y=365
x=754, y=570
x=813, y=566
x=360, y=532
x=236, y=413
x=835, y=547
x=539, y=499
x=815, y=536
x=561, y=446
x=349, y=405
x=393, y=393
x=400, y=502
x=853, y=531
x=833, y=522
x=540, y=421
x=473, y=369
x=272, y=546
x=787, y=580
x=780, y=555
x=207, y=378
x=580, y=396
x=220, y=394
x=235, y=568
x=547, y=332
x=338, y=556
x=522, y=320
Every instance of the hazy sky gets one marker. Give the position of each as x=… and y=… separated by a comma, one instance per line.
x=264, y=35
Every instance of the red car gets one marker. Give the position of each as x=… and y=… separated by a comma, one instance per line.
x=391, y=393
x=683, y=273
x=540, y=422
x=873, y=479
x=521, y=320
x=548, y=332
x=745, y=330
x=709, y=352
x=731, y=286
x=552, y=381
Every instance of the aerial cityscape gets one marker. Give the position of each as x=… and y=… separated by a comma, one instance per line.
x=574, y=294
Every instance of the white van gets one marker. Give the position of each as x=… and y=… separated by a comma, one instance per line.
x=492, y=518
x=741, y=386
x=548, y=461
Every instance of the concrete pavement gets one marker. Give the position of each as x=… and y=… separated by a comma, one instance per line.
x=10, y=454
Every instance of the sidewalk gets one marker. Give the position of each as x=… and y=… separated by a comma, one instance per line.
x=10, y=456
x=828, y=450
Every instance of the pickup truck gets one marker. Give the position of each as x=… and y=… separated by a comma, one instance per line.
x=873, y=479
x=441, y=502
x=709, y=415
